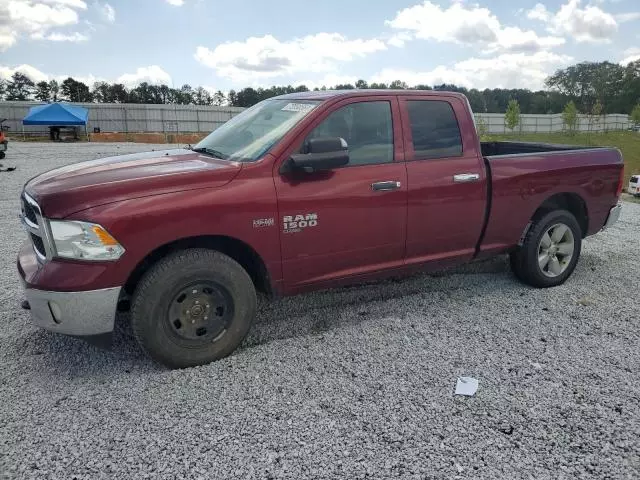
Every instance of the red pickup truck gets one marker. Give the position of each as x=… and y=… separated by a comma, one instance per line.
x=299, y=192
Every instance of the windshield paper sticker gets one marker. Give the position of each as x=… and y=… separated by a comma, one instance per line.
x=298, y=107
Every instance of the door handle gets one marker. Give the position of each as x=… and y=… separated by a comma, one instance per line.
x=466, y=177
x=385, y=186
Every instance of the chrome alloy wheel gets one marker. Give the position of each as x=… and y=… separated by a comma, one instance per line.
x=555, y=250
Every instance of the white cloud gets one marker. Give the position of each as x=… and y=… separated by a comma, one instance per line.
x=330, y=80
x=69, y=3
x=152, y=74
x=38, y=76
x=630, y=55
x=588, y=24
x=465, y=24
x=508, y=70
x=177, y=3
x=36, y=19
x=62, y=37
x=539, y=12
x=7, y=38
x=108, y=12
x=31, y=72
x=627, y=17
x=399, y=39
x=267, y=56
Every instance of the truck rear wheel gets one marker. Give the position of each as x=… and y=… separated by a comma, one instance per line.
x=193, y=307
x=550, y=250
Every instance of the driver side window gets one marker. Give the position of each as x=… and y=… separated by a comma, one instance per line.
x=367, y=128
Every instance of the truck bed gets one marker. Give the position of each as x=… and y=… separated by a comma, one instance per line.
x=492, y=149
x=524, y=175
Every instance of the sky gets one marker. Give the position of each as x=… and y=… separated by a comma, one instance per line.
x=235, y=44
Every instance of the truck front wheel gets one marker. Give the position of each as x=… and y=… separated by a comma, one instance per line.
x=550, y=250
x=193, y=307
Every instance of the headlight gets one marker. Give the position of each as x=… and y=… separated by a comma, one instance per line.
x=84, y=241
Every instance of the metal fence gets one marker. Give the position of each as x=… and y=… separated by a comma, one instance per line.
x=144, y=118
x=532, y=123
x=131, y=117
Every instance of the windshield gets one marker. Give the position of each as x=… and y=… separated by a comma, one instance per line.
x=251, y=134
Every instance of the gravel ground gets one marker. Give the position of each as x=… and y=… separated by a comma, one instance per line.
x=355, y=383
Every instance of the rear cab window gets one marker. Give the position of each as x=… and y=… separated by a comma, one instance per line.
x=434, y=129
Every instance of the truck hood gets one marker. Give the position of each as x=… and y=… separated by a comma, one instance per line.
x=72, y=188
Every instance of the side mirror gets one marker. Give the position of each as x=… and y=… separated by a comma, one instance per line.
x=320, y=154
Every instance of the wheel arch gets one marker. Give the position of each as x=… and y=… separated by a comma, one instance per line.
x=569, y=201
x=238, y=250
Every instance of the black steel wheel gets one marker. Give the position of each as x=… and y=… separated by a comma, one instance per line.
x=200, y=312
x=193, y=307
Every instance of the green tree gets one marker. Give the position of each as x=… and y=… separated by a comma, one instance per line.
x=512, y=115
x=43, y=91
x=163, y=92
x=118, y=93
x=233, y=98
x=588, y=82
x=187, y=95
x=481, y=126
x=76, y=91
x=54, y=89
x=143, y=93
x=3, y=87
x=635, y=114
x=219, y=99
x=570, y=117
x=362, y=84
x=398, y=85
x=20, y=87
x=101, y=92
x=202, y=97
x=596, y=113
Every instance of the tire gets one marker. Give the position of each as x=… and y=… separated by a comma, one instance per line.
x=2, y=155
x=556, y=262
x=193, y=307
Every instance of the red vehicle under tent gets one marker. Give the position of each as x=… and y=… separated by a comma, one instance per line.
x=3, y=139
x=300, y=192
x=4, y=143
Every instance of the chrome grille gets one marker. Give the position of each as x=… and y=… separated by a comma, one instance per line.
x=36, y=228
x=38, y=245
x=29, y=211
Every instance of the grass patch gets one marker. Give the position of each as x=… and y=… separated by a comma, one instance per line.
x=627, y=142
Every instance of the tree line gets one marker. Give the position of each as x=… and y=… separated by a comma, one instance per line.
x=603, y=86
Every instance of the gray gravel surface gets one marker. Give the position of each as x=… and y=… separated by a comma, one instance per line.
x=355, y=383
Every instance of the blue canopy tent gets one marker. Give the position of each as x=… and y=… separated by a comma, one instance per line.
x=57, y=115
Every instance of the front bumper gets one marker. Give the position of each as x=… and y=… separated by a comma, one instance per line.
x=74, y=313
x=80, y=310
x=614, y=215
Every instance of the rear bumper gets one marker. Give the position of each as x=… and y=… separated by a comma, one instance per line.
x=74, y=313
x=614, y=215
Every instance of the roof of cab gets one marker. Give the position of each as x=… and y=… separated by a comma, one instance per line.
x=326, y=94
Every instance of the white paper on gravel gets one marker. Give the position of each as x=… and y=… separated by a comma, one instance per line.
x=466, y=386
